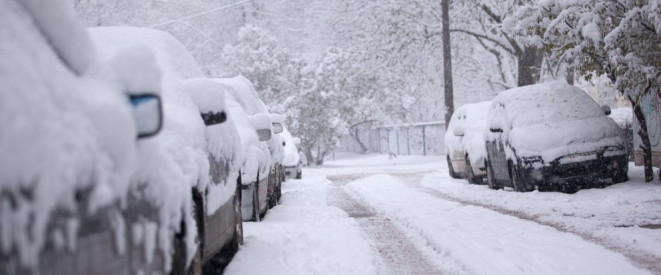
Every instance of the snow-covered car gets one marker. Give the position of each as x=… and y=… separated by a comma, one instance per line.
x=292, y=160
x=277, y=174
x=70, y=125
x=464, y=142
x=552, y=136
x=250, y=115
x=196, y=186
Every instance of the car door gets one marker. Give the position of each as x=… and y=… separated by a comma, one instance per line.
x=496, y=143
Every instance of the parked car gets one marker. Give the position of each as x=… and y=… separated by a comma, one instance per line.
x=552, y=136
x=71, y=125
x=464, y=142
x=199, y=154
x=277, y=175
x=292, y=160
x=256, y=130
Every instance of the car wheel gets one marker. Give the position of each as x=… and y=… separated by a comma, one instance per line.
x=469, y=172
x=451, y=170
x=179, y=255
x=491, y=180
x=255, y=203
x=238, y=222
x=299, y=175
x=517, y=182
x=621, y=175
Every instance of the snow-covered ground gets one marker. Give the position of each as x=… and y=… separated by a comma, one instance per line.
x=369, y=214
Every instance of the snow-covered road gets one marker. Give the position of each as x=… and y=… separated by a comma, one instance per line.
x=373, y=215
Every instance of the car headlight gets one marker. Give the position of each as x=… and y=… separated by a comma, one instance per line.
x=532, y=161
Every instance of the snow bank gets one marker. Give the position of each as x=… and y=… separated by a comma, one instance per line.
x=551, y=120
x=62, y=130
x=303, y=235
x=484, y=241
x=616, y=215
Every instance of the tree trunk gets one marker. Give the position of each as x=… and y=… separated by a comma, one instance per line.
x=645, y=138
x=356, y=137
x=530, y=64
x=447, y=62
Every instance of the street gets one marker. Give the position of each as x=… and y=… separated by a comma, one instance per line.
x=374, y=214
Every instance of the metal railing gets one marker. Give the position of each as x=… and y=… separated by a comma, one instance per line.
x=426, y=138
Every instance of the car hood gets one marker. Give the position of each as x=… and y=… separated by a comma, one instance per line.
x=552, y=140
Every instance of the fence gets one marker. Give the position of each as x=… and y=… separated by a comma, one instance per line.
x=409, y=139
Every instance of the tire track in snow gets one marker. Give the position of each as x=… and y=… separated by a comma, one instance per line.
x=639, y=258
x=398, y=254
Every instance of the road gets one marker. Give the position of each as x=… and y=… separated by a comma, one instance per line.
x=375, y=215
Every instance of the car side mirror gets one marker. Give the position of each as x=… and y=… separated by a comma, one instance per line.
x=607, y=109
x=277, y=128
x=459, y=130
x=147, y=113
x=213, y=118
x=264, y=134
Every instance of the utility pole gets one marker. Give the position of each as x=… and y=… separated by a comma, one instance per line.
x=447, y=62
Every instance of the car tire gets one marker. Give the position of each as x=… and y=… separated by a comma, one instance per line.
x=179, y=255
x=255, y=203
x=470, y=176
x=451, y=170
x=299, y=175
x=517, y=183
x=238, y=226
x=621, y=175
x=491, y=180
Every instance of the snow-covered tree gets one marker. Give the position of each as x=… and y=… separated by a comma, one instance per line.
x=258, y=56
x=620, y=39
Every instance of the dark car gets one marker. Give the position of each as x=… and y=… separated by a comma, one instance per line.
x=552, y=136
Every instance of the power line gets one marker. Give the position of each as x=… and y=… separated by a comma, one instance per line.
x=200, y=14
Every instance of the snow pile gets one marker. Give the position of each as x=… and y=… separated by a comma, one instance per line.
x=303, y=235
x=551, y=120
x=507, y=245
x=291, y=157
x=62, y=131
x=472, y=117
x=621, y=216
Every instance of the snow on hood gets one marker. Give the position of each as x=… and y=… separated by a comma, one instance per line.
x=552, y=120
x=291, y=157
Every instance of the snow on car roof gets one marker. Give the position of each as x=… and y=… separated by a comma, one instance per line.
x=545, y=102
x=551, y=120
x=171, y=54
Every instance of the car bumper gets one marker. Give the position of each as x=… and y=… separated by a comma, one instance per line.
x=584, y=173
